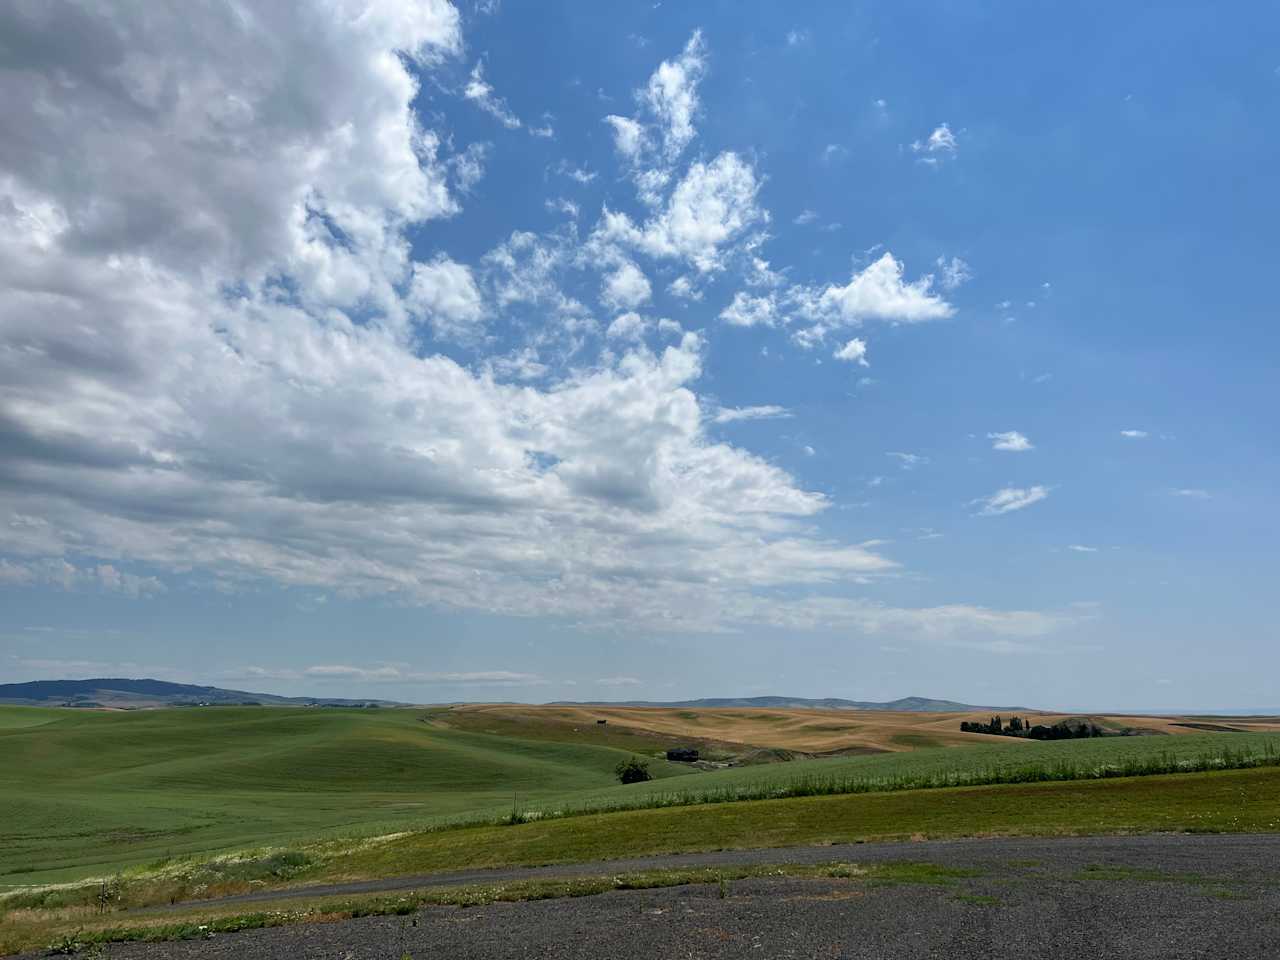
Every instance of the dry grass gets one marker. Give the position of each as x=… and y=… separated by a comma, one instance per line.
x=806, y=731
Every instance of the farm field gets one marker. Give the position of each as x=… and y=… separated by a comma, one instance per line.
x=801, y=730
x=87, y=793
x=83, y=792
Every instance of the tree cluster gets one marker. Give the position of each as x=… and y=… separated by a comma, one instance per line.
x=1018, y=727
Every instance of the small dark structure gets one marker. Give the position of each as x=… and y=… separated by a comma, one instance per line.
x=682, y=755
x=601, y=723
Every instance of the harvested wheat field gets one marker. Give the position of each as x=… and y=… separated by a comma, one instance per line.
x=801, y=731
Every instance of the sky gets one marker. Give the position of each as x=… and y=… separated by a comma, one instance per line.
x=500, y=351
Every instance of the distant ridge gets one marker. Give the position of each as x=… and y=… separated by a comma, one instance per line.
x=904, y=704
x=122, y=692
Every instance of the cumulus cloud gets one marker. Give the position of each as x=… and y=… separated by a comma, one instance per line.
x=1192, y=493
x=746, y=310
x=1081, y=548
x=444, y=294
x=712, y=205
x=1008, y=499
x=1134, y=434
x=878, y=292
x=668, y=104
x=1011, y=441
x=855, y=351
x=213, y=361
x=628, y=326
x=626, y=286
x=628, y=136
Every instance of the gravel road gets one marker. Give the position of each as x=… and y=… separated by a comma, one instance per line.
x=1165, y=896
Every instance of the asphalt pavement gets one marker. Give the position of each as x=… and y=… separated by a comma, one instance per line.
x=1163, y=896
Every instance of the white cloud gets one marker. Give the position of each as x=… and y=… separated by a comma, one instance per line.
x=212, y=357
x=805, y=217
x=684, y=288
x=626, y=286
x=878, y=292
x=1010, y=440
x=672, y=95
x=1192, y=493
x=628, y=326
x=764, y=412
x=468, y=166
x=564, y=206
x=579, y=175
x=523, y=364
x=399, y=673
x=940, y=141
x=1081, y=548
x=955, y=272
x=288, y=145
x=854, y=351
x=68, y=576
x=709, y=208
x=619, y=682
x=1134, y=434
x=670, y=328
x=479, y=92
x=444, y=293
x=749, y=311
x=652, y=142
x=1009, y=499
x=628, y=136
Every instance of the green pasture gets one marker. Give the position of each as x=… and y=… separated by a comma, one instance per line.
x=85, y=792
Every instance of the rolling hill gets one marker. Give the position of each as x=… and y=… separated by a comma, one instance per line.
x=901, y=705
x=122, y=692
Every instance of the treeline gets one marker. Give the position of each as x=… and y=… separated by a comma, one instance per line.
x=1018, y=727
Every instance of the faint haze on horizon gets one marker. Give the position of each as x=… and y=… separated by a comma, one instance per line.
x=425, y=351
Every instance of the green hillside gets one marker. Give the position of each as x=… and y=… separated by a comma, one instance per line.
x=87, y=793
x=82, y=792
x=999, y=761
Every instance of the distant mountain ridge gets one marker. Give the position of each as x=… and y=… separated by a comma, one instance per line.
x=903, y=704
x=123, y=692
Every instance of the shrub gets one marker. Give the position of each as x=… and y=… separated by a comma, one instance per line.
x=632, y=770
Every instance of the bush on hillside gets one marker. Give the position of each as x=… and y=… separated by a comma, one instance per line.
x=633, y=770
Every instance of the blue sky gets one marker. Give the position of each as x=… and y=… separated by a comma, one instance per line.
x=573, y=351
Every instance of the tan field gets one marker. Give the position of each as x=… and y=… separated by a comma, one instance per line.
x=798, y=730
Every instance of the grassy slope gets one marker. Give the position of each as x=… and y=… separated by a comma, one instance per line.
x=83, y=792
x=1227, y=801
x=998, y=754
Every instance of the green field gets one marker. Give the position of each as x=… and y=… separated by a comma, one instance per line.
x=85, y=792
x=996, y=763
x=90, y=793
